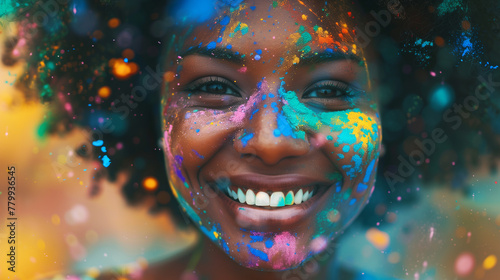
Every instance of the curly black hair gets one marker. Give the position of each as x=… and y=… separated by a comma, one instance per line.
x=89, y=59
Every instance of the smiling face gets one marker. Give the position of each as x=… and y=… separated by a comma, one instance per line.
x=271, y=133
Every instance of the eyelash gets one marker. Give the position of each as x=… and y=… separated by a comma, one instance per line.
x=200, y=85
x=346, y=91
x=343, y=91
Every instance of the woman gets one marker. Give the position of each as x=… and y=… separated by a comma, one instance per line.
x=271, y=132
x=270, y=129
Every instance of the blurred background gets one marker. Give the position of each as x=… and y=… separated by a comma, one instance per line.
x=437, y=217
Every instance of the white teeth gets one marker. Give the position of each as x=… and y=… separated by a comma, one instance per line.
x=277, y=199
x=262, y=199
x=305, y=197
x=241, y=196
x=298, y=197
x=250, y=197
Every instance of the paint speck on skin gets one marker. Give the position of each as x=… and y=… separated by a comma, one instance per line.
x=211, y=45
x=246, y=138
x=258, y=253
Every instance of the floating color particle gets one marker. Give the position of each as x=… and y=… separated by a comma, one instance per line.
x=150, y=183
x=489, y=262
x=104, y=92
x=378, y=238
x=464, y=264
x=113, y=23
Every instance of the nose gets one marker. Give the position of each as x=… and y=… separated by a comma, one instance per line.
x=267, y=133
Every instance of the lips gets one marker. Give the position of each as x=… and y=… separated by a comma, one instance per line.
x=262, y=201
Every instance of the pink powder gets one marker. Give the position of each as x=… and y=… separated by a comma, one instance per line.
x=285, y=249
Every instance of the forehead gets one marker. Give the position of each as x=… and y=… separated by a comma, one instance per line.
x=296, y=28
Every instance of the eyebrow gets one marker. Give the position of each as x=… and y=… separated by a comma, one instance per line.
x=327, y=56
x=229, y=55
x=217, y=53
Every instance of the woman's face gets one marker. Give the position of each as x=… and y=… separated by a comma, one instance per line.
x=271, y=133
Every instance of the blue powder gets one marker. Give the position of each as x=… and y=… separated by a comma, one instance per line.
x=196, y=153
x=225, y=20
x=274, y=105
x=257, y=57
x=329, y=138
x=211, y=45
x=106, y=161
x=258, y=253
x=259, y=51
x=357, y=161
x=346, y=137
x=352, y=201
x=245, y=139
x=264, y=97
x=269, y=243
x=361, y=187
x=283, y=126
x=103, y=149
x=369, y=171
x=229, y=47
x=346, y=148
x=253, y=113
x=256, y=238
x=98, y=143
x=341, y=156
x=224, y=245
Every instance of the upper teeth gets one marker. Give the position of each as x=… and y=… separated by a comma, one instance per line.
x=276, y=199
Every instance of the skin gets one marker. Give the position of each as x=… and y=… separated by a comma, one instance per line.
x=322, y=123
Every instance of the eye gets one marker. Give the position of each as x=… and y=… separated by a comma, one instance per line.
x=329, y=89
x=213, y=85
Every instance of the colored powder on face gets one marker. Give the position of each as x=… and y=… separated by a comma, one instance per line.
x=361, y=188
x=269, y=243
x=352, y=201
x=357, y=162
x=341, y=156
x=275, y=4
x=224, y=246
x=103, y=149
x=346, y=137
x=304, y=39
x=256, y=238
x=283, y=126
x=346, y=148
x=253, y=113
x=246, y=138
x=225, y=20
x=178, y=163
x=329, y=138
x=211, y=45
x=369, y=171
x=196, y=153
x=258, y=253
x=285, y=247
